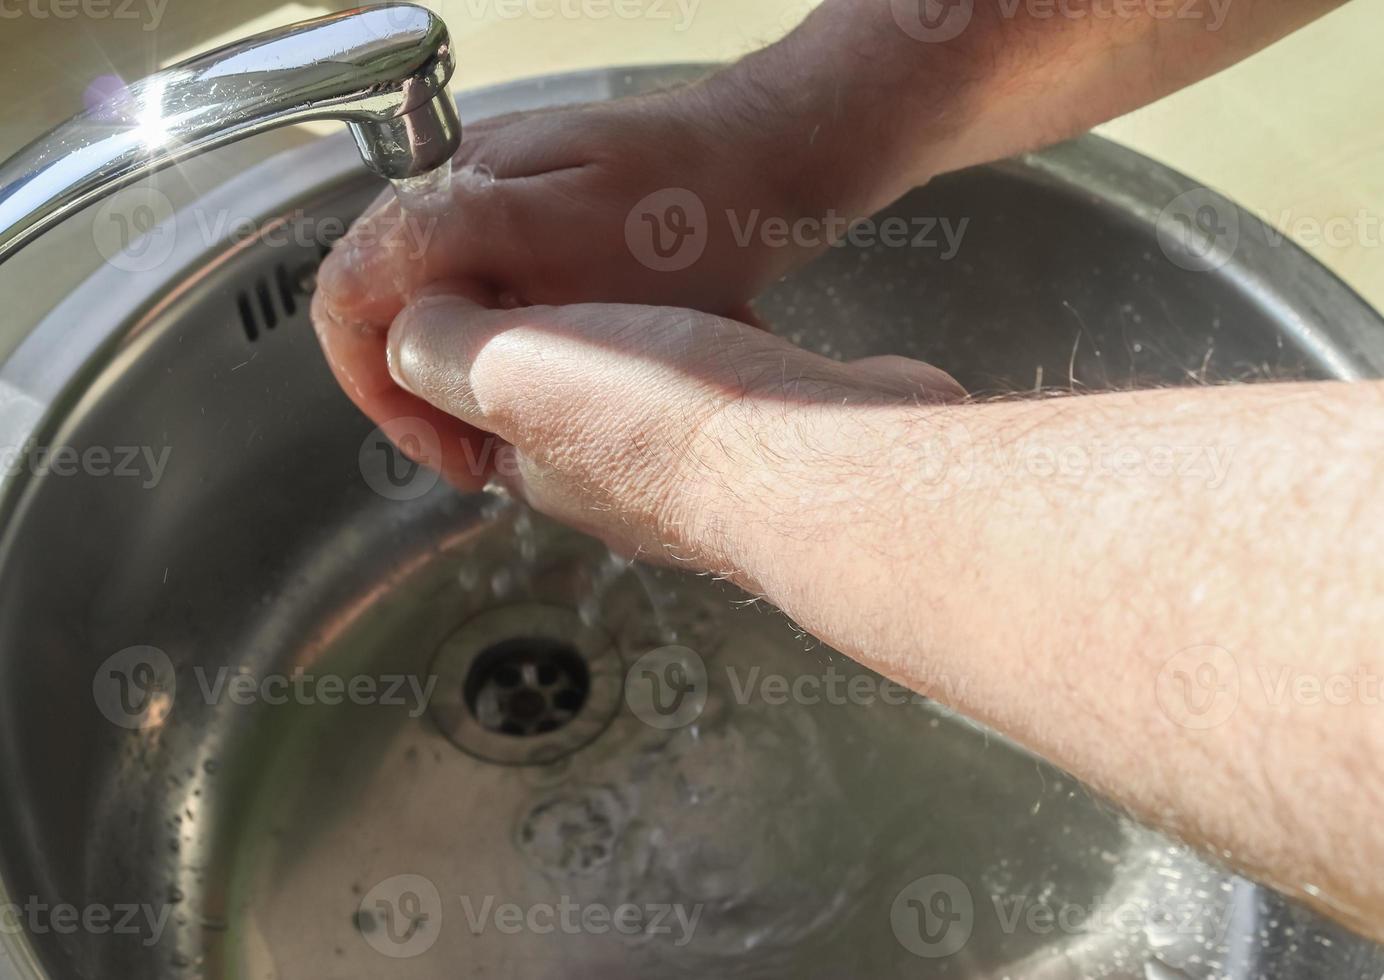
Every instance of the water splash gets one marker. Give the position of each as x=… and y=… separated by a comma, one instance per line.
x=425, y=192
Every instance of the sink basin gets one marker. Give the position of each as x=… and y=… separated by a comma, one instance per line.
x=283, y=707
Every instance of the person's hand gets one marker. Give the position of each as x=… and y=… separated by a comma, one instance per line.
x=666, y=432
x=549, y=207
x=614, y=202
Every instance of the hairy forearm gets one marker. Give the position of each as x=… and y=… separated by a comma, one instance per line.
x=868, y=98
x=1178, y=595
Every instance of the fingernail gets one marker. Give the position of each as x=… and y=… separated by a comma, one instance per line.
x=437, y=307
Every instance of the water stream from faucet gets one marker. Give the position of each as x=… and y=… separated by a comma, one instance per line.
x=426, y=192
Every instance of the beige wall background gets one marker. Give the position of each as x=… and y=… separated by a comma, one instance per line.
x=1295, y=134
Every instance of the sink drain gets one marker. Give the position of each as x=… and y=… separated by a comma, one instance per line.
x=526, y=684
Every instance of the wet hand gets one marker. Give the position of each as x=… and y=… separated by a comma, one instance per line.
x=666, y=432
x=608, y=202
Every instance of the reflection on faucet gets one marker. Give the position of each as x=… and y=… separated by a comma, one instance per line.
x=383, y=70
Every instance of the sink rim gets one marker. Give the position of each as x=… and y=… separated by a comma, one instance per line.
x=51, y=365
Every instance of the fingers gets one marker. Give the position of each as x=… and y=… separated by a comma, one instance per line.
x=357, y=357
x=386, y=257
x=607, y=407
x=390, y=252
x=603, y=402
x=527, y=144
x=533, y=374
x=646, y=425
x=468, y=230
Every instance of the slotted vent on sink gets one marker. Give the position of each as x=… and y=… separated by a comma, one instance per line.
x=277, y=297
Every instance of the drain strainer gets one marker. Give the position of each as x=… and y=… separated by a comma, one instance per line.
x=526, y=684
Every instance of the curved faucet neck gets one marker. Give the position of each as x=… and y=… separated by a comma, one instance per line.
x=382, y=70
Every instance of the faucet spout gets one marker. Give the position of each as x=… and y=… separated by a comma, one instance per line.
x=383, y=70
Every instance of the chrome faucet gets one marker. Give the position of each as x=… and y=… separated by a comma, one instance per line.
x=383, y=70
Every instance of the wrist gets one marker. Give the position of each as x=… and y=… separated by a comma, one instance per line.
x=813, y=499
x=835, y=129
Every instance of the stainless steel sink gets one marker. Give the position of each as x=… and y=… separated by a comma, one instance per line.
x=284, y=708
